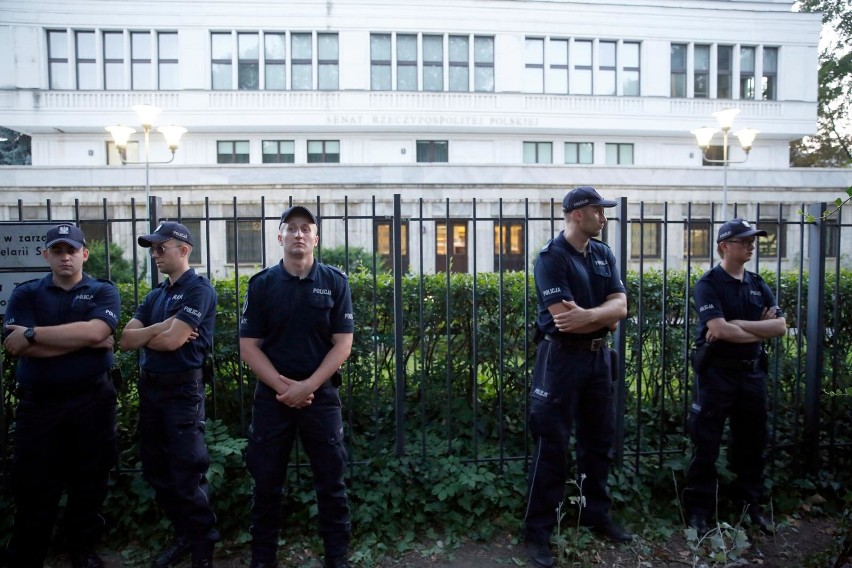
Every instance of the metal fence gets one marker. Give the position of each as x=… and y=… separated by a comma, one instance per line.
x=499, y=248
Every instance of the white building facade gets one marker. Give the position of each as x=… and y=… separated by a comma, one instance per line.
x=485, y=109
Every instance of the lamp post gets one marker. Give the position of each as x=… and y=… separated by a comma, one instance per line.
x=121, y=134
x=704, y=136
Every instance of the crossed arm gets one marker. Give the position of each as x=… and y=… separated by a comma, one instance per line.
x=747, y=331
x=167, y=335
x=55, y=340
x=571, y=318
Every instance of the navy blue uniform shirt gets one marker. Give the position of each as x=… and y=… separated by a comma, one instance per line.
x=296, y=317
x=40, y=302
x=562, y=273
x=720, y=295
x=192, y=299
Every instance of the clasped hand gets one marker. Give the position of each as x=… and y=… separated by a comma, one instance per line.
x=298, y=394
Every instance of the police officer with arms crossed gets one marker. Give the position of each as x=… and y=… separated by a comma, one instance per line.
x=174, y=328
x=580, y=299
x=736, y=313
x=295, y=333
x=61, y=327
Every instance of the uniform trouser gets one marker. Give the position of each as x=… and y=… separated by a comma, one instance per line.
x=67, y=443
x=174, y=456
x=719, y=395
x=570, y=387
x=273, y=431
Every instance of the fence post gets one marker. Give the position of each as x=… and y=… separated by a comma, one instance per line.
x=399, y=360
x=619, y=246
x=814, y=333
x=155, y=204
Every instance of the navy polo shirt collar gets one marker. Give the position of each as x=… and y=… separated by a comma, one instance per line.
x=184, y=278
x=312, y=273
x=48, y=282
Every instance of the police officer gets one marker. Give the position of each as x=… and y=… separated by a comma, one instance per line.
x=295, y=333
x=580, y=299
x=61, y=327
x=736, y=313
x=174, y=328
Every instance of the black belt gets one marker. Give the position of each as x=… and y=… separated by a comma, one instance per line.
x=62, y=392
x=595, y=344
x=736, y=364
x=172, y=378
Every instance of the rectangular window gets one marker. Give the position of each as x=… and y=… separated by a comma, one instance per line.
x=582, y=79
x=380, y=62
x=141, y=62
x=87, y=69
x=701, y=75
x=619, y=154
x=222, y=53
x=698, y=241
x=167, y=61
x=645, y=239
x=509, y=245
x=606, y=68
x=199, y=238
x=433, y=63
x=57, y=59
x=275, y=61
x=747, y=72
x=301, y=51
x=114, y=60
x=244, y=247
x=406, y=62
x=724, y=70
x=328, y=65
x=248, y=63
x=279, y=151
x=483, y=64
x=630, y=70
x=713, y=156
x=832, y=237
x=323, y=151
x=534, y=68
x=538, y=153
x=678, y=71
x=232, y=152
x=774, y=244
x=770, y=73
x=451, y=249
x=579, y=153
x=383, y=244
x=131, y=153
x=557, y=66
x=432, y=151
x=459, y=58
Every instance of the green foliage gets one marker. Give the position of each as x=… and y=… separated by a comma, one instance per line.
x=14, y=148
x=352, y=259
x=120, y=269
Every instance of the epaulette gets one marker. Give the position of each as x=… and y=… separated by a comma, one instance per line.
x=105, y=281
x=261, y=272
x=546, y=247
x=338, y=270
x=600, y=242
x=755, y=275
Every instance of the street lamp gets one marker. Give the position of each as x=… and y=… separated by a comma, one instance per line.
x=704, y=135
x=121, y=134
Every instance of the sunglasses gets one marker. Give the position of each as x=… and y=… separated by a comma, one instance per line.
x=161, y=250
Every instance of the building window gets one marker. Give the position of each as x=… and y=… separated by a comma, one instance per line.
x=433, y=63
x=582, y=84
x=323, y=151
x=701, y=75
x=619, y=154
x=579, y=153
x=645, y=239
x=167, y=60
x=433, y=151
x=698, y=240
x=141, y=75
x=248, y=249
x=483, y=64
x=509, y=246
x=383, y=243
x=459, y=58
x=451, y=247
x=380, y=62
x=747, y=72
x=832, y=238
x=534, y=69
x=199, y=238
x=606, y=68
x=275, y=61
x=557, y=66
x=770, y=73
x=131, y=153
x=279, y=151
x=222, y=53
x=630, y=72
x=713, y=156
x=724, y=69
x=113, y=60
x=232, y=152
x=678, y=72
x=406, y=62
x=302, y=53
x=774, y=244
x=87, y=67
x=57, y=59
x=248, y=61
x=538, y=153
x=328, y=67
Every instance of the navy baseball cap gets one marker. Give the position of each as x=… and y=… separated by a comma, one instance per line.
x=297, y=209
x=68, y=234
x=582, y=196
x=738, y=228
x=167, y=230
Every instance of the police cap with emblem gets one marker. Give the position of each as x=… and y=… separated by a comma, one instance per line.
x=582, y=196
x=297, y=209
x=68, y=234
x=167, y=230
x=738, y=228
